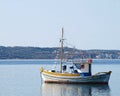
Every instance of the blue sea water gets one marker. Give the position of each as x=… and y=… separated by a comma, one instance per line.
x=22, y=78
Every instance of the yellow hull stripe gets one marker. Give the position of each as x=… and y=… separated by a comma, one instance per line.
x=59, y=74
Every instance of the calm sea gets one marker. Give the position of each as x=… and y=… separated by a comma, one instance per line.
x=22, y=78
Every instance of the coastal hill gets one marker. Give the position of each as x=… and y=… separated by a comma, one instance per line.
x=19, y=52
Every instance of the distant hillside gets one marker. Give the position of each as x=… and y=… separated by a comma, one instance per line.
x=52, y=53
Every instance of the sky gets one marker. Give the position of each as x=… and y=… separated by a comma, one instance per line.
x=88, y=24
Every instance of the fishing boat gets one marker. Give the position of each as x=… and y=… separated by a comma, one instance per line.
x=80, y=72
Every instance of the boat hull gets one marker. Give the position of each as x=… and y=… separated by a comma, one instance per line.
x=99, y=78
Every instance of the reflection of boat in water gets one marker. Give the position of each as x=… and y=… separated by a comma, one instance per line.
x=75, y=90
x=81, y=72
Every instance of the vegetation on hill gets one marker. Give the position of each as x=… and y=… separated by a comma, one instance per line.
x=52, y=53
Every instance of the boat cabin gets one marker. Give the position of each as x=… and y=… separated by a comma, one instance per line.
x=84, y=67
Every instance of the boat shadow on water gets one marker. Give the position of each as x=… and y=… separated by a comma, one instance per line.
x=49, y=89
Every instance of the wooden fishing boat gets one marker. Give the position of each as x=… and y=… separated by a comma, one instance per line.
x=81, y=72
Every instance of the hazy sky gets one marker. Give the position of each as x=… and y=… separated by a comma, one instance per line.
x=88, y=24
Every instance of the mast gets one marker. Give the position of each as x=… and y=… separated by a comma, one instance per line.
x=61, y=51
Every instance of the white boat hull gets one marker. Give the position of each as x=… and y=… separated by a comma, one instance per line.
x=102, y=78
